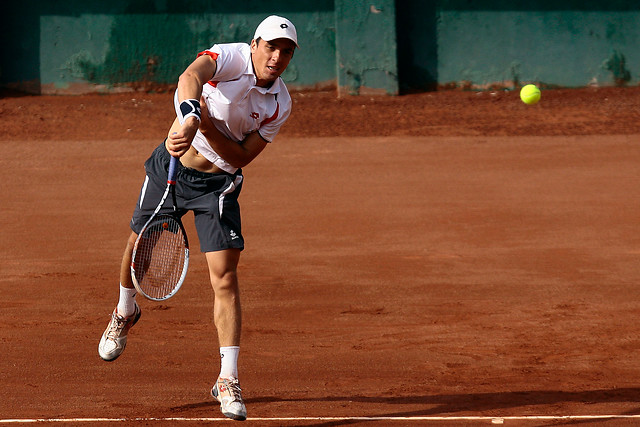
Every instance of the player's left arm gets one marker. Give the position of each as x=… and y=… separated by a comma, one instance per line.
x=236, y=154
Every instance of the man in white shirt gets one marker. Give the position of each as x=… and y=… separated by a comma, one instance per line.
x=230, y=103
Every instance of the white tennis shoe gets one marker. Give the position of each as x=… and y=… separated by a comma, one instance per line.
x=114, y=338
x=229, y=394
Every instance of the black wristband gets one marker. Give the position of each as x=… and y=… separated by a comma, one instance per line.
x=190, y=108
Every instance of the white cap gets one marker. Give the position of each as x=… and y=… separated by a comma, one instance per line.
x=276, y=27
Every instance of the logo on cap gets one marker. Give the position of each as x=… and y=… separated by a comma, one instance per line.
x=283, y=26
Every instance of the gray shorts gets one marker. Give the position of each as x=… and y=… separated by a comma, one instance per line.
x=213, y=198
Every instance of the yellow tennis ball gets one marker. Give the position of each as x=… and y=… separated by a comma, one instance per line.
x=530, y=94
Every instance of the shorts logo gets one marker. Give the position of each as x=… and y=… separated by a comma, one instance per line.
x=233, y=235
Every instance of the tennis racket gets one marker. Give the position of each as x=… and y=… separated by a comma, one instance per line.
x=161, y=252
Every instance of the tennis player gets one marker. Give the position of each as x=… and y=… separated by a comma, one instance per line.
x=234, y=103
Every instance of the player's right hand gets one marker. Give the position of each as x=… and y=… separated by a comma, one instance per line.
x=178, y=143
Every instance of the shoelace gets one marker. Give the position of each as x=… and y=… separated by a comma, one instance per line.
x=116, y=326
x=233, y=386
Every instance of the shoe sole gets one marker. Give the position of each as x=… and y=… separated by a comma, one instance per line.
x=114, y=358
x=234, y=416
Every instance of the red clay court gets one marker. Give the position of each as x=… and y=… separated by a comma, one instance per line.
x=446, y=254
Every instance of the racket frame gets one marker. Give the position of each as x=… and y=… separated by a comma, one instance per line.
x=171, y=183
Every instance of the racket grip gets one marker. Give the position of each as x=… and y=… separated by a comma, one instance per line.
x=171, y=178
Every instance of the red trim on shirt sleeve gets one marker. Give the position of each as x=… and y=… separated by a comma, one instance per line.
x=215, y=57
x=208, y=52
x=272, y=118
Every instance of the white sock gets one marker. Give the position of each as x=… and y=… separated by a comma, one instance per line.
x=127, y=302
x=229, y=361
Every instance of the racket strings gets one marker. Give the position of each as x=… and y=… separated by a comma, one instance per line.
x=160, y=257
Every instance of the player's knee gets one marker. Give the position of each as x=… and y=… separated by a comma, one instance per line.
x=224, y=282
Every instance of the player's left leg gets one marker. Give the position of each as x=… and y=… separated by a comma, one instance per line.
x=223, y=272
x=227, y=315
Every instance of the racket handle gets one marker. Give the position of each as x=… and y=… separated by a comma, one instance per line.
x=171, y=178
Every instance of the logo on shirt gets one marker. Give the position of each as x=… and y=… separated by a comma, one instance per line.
x=255, y=115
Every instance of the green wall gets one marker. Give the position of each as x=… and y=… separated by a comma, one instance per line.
x=499, y=43
x=77, y=46
x=360, y=47
x=366, y=47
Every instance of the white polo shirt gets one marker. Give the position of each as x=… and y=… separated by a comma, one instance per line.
x=237, y=106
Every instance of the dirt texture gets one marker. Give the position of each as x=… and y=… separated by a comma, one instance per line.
x=443, y=254
x=136, y=115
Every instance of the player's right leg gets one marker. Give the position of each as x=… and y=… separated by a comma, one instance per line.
x=114, y=338
x=125, y=315
x=127, y=312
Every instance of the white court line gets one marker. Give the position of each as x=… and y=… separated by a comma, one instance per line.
x=494, y=419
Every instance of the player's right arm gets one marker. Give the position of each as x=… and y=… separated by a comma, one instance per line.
x=190, y=85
